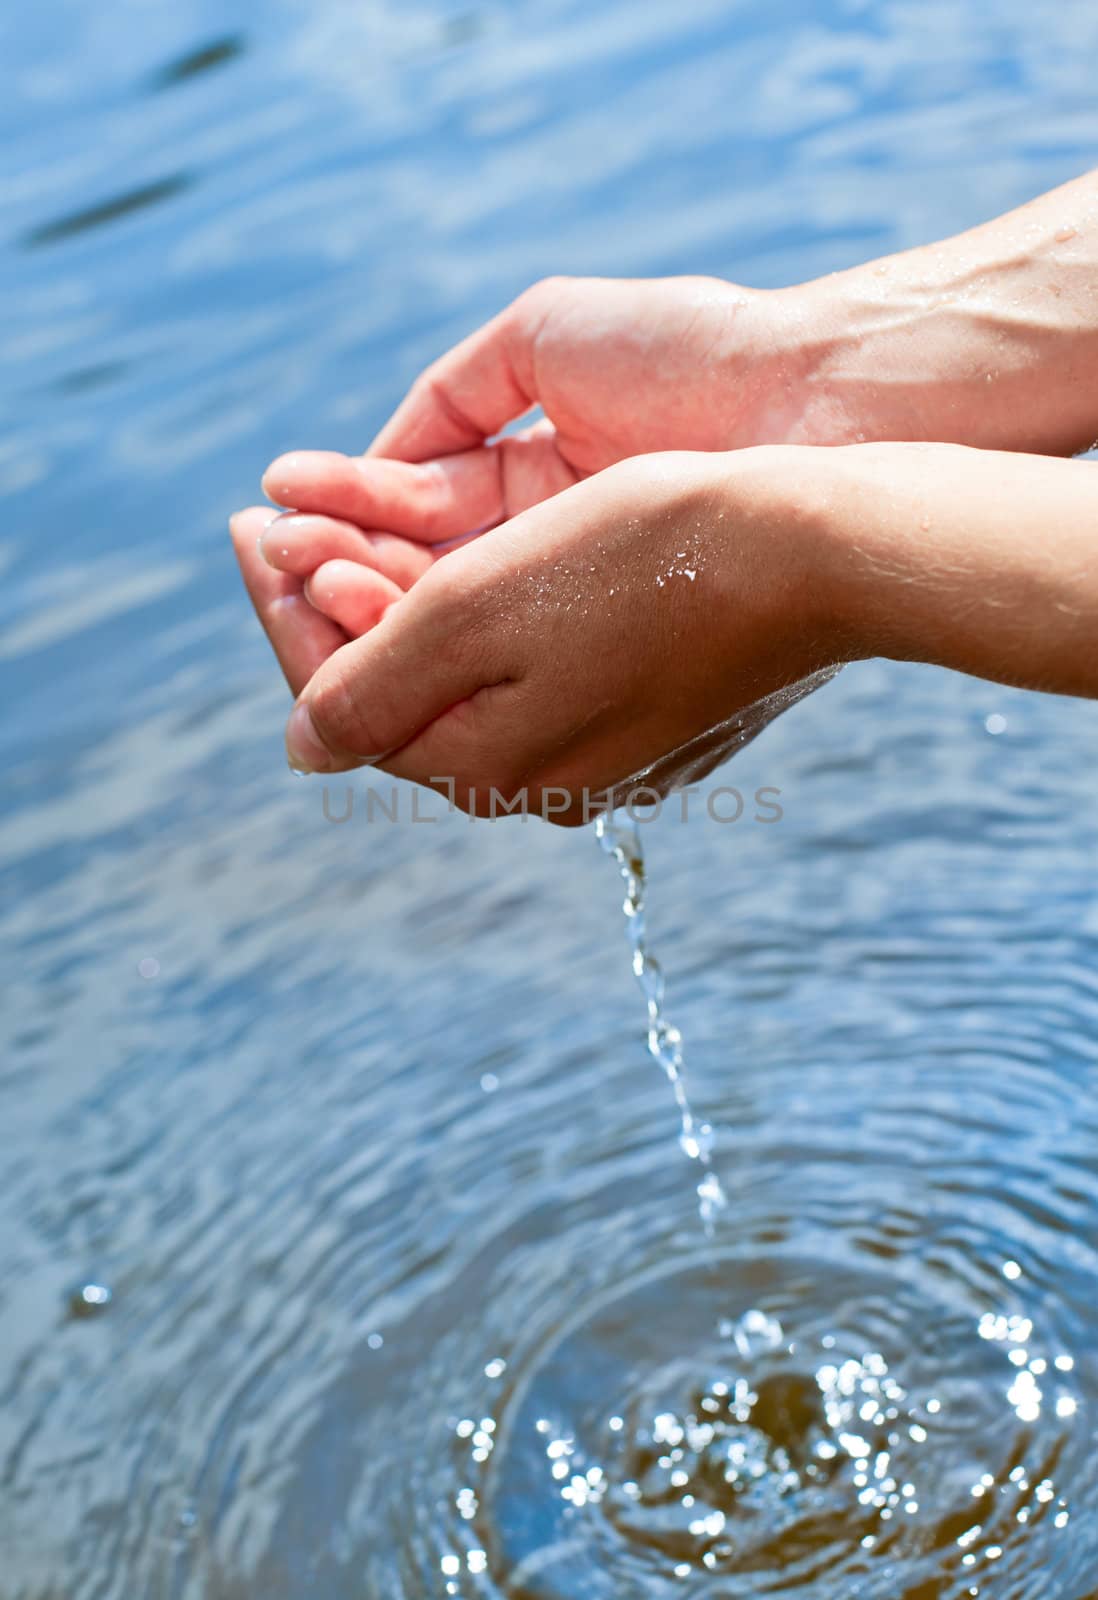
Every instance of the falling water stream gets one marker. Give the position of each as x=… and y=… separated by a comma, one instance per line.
x=617, y=830
x=619, y=836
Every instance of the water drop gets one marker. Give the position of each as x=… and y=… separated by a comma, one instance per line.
x=90, y=1300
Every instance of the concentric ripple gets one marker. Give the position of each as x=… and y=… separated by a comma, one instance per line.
x=780, y=1426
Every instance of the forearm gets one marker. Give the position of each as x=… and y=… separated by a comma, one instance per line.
x=983, y=562
x=988, y=339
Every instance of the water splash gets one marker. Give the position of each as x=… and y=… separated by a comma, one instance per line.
x=853, y=1433
x=619, y=837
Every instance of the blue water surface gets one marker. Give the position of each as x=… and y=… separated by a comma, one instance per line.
x=344, y=1116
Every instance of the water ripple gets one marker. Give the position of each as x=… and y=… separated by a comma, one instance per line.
x=353, y=1126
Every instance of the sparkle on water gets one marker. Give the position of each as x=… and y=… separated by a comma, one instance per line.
x=90, y=1299
x=659, y=1441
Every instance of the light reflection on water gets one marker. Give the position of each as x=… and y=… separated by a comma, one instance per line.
x=786, y=1456
x=352, y=1124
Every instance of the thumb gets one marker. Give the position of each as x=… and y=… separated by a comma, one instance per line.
x=373, y=695
x=473, y=391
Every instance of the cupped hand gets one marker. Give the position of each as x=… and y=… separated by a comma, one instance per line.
x=623, y=630
x=618, y=367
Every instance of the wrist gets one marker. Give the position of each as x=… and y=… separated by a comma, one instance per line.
x=989, y=340
x=974, y=560
x=780, y=518
x=870, y=362
x=858, y=356
x=838, y=539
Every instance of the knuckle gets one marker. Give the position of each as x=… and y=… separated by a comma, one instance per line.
x=432, y=392
x=427, y=381
x=555, y=282
x=427, y=500
x=339, y=719
x=540, y=294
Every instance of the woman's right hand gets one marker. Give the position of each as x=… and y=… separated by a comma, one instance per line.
x=989, y=339
x=619, y=368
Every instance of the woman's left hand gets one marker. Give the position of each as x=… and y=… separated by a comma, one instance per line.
x=617, y=630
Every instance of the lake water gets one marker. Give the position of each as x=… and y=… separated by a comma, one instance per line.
x=407, y=1291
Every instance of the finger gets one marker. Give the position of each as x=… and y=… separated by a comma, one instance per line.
x=302, y=639
x=425, y=657
x=431, y=501
x=352, y=595
x=300, y=544
x=470, y=393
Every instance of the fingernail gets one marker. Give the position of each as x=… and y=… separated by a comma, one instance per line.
x=276, y=525
x=304, y=750
x=261, y=545
x=274, y=479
